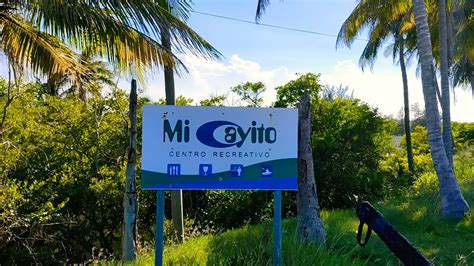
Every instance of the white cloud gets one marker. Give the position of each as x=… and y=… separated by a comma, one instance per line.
x=383, y=89
x=380, y=88
x=462, y=108
x=207, y=78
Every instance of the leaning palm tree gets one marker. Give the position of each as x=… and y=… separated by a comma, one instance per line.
x=384, y=20
x=452, y=201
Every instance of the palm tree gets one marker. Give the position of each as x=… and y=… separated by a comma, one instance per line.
x=384, y=19
x=454, y=65
x=93, y=80
x=452, y=201
x=176, y=195
x=36, y=35
x=381, y=17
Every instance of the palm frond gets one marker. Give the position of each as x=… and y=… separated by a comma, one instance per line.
x=392, y=51
x=35, y=50
x=366, y=14
x=261, y=6
x=378, y=34
x=179, y=8
x=81, y=19
x=464, y=40
x=102, y=34
x=352, y=26
x=463, y=70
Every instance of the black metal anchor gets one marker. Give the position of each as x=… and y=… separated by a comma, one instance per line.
x=396, y=242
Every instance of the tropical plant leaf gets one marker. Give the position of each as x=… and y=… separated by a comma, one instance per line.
x=261, y=6
x=35, y=50
x=83, y=21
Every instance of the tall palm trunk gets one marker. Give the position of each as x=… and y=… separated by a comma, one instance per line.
x=452, y=202
x=444, y=69
x=406, y=102
x=176, y=195
x=450, y=33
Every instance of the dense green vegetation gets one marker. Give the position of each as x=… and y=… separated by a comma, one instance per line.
x=415, y=213
x=63, y=167
x=63, y=143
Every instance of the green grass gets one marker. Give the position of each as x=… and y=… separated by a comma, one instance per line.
x=417, y=216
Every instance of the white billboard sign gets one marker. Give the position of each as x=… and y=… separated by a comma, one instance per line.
x=219, y=148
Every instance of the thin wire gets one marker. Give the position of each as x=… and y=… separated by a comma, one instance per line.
x=271, y=25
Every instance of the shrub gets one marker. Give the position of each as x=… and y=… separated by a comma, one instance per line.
x=65, y=168
x=349, y=140
x=230, y=209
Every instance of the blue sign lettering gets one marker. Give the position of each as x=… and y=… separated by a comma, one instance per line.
x=234, y=135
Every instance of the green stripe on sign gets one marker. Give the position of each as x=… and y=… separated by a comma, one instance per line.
x=282, y=168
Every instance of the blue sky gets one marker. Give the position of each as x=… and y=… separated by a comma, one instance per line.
x=275, y=47
x=274, y=56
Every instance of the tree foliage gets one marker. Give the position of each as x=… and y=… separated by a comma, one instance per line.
x=349, y=140
x=62, y=170
x=290, y=94
x=215, y=100
x=62, y=165
x=250, y=93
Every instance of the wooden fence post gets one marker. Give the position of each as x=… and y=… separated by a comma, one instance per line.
x=310, y=225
